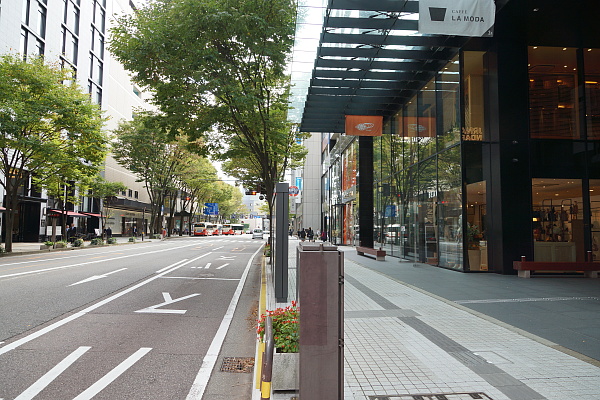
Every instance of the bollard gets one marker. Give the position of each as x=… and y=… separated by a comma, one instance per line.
x=267, y=361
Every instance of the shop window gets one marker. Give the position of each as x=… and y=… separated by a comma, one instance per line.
x=449, y=109
x=553, y=105
x=449, y=209
x=595, y=213
x=592, y=92
x=474, y=123
x=558, y=220
x=476, y=226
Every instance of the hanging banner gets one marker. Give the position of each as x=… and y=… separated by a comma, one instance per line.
x=364, y=125
x=457, y=17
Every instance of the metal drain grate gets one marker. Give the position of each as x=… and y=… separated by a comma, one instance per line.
x=435, y=396
x=237, y=364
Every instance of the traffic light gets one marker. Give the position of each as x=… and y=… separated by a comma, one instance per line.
x=261, y=188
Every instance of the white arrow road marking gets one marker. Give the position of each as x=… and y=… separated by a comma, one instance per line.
x=51, y=375
x=168, y=300
x=229, y=258
x=93, y=278
x=107, y=379
x=224, y=265
x=72, y=317
x=210, y=359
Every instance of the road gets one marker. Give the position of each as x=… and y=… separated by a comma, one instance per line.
x=140, y=321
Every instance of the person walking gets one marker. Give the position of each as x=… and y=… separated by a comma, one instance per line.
x=310, y=234
x=302, y=234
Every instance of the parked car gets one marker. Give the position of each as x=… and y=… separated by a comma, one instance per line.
x=257, y=233
x=248, y=231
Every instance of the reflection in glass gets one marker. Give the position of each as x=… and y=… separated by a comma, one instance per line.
x=476, y=226
x=449, y=212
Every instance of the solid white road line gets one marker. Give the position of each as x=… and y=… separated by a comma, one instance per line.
x=57, y=324
x=170, y=266
x=90, y=262
x=210, y=359
x=224, y=265
x=51, y=375
x=107, y=379
x=194, y=278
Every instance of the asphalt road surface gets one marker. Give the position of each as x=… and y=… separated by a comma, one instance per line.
x=141, y=321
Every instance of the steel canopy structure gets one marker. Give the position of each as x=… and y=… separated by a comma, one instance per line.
x=371, y=59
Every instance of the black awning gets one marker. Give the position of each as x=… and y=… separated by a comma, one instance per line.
x=371, y=62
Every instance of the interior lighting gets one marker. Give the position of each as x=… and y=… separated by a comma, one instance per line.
x=564, y=48
x=535, y=47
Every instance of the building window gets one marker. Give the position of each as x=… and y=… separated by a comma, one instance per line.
x=553, y=100
x=135, y=194
x=592, y=92
x=130, y=193
x=558, y=220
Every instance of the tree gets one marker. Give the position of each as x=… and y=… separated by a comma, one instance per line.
x=106, y=192
x=217, y=69
x=48, y=128
x=144, y=148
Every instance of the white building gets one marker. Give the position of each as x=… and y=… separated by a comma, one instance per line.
x=74, y=33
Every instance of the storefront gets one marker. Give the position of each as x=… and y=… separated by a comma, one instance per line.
x=493, y=157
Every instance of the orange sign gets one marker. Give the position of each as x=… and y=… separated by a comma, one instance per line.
x=419, y=127
x=364, y=125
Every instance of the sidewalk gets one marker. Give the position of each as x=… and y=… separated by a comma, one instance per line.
x=409, y=333
x=34, y=247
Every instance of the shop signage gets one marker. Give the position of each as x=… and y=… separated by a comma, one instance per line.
x=364, y=125
x=472, y=134
x=457, y=17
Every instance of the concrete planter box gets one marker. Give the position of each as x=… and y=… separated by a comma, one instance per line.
x=285, y=371
x=44, y=247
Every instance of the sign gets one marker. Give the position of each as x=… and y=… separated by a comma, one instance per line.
x=457, y=17
x=390, y=211
x=294, y=190
x=211, y=208
x=299, y=182
x=364, y=125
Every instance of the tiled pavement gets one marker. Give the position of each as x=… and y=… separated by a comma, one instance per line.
x=402, y=342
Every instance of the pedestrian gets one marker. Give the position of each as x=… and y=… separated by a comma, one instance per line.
x=310, y=234
x=324, y=235
x=108, y=232
x=302, y=235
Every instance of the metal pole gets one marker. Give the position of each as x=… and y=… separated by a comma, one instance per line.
x=143, y=222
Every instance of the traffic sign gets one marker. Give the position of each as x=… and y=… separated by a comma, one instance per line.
x=294, y=190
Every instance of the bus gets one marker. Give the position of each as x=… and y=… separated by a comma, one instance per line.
x=218, y=230
x=233, y=229
x=203, y=229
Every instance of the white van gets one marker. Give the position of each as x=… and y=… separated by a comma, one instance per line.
x=257, y=233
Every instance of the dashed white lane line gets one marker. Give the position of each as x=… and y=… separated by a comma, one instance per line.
x=106, y=380
x=51, y=375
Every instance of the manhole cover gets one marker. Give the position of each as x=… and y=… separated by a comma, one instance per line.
x=237, y=364
x=437, y=396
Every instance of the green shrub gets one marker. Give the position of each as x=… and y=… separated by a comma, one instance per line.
x=97, y=241
x=111, y=240
x=132, y=239
x=2, y=250
x=78, y=242
x=48, y=243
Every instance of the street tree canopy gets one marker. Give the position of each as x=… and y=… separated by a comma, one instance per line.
x=217, y=70
x=49, y=129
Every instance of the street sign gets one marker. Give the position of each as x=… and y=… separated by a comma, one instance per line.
x=211, y=208
x=294, y=190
